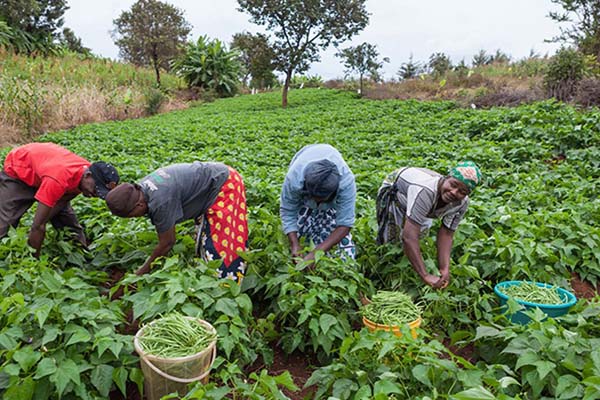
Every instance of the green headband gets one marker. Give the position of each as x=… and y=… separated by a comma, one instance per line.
x=468, y=173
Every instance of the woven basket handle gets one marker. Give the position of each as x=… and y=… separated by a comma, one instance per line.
x=183, y=380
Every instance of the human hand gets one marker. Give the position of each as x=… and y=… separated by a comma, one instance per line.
x=444, y=279
x=442, y=283
x=363, y=299
x=431, y=280
x=309, y=260
x=296, y=253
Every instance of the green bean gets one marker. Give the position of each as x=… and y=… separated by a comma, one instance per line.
x=391, y=308
x=532, y=293
x=175, y=336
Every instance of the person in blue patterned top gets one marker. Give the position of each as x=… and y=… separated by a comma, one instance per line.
x=318, y=200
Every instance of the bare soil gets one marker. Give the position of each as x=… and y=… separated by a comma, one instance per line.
x=583, y=289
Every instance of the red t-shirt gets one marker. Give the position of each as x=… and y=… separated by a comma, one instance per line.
x=54, y=170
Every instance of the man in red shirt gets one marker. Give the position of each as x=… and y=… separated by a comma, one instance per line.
x=52, y=176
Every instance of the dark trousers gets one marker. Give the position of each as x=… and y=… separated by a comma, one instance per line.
x=15, y=199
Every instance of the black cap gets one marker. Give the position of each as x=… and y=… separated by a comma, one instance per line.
x=103, y=174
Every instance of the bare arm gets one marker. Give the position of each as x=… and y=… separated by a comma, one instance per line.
x=444, y=247
x=412, y=249
x=333, y=239
x=166, y=240
x=38, y=227
x=294, y=243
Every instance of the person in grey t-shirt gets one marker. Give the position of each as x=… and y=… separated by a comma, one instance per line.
x=212, y=194
x=408, y=201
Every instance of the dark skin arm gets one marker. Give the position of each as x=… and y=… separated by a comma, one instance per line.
x=444, y=247
x=43, y=214
x=412, y=249
x=38, y=227
x=294, y=244
x=166, y=241
x=333, y=239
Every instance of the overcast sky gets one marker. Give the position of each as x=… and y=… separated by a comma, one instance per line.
x=399, y=28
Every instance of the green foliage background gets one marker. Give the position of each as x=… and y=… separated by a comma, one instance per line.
x=536, y=216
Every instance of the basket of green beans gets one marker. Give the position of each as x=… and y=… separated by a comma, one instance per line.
x=174, y=351
x=390, y=311
x=552, y=300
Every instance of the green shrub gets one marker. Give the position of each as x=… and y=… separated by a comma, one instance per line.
x=564, y=72
x=154, y=98
x=308, y=81
x=208, y=64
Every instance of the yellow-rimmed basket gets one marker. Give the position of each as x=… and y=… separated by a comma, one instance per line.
x=395, y=329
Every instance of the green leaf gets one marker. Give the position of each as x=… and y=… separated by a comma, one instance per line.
x=136, y=376
x=478, y=393
x=285, y=379
x=66, y=372
x=52, y=281
x=244, y=302
x=102, y=379
x=7, y=342
x=569, y=387
x=507, y=381
x=387, y=387
x=227, y=307
x=12, y=369
x=363, y=393
x=119, y=376
x=528, y=358
x=79, y=335
x=46, y=367
x=22, y=391
x=326, y=321
x=420, y=372
x=26, y=357
x=544, y=367
x=116, y=347
x=42, y=309
x=486, y=331
x=342, y=388
x=50, y=335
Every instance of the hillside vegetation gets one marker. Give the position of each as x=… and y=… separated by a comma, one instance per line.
x=536, y=217
x=42, y=94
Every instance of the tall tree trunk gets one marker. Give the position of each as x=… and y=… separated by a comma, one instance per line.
x=286, y=86
x=156, y=68
x=361, y=85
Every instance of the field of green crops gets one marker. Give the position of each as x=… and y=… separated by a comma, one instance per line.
x=536, y=217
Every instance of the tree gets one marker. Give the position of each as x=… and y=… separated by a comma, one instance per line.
x=33, y=24
x=584, y=15
x=257, y=58
x=500, y=57
x=480, y=59
x=362, y=59
x=35, y=17
x=410, y=69
x=565, y=70
x=439, y=64
x=461, y=69
x=73, y=43
x=302, y=28
x=208, y=64
x=150, y=34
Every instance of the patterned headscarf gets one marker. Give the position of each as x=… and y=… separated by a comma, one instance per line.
x=468, y=173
